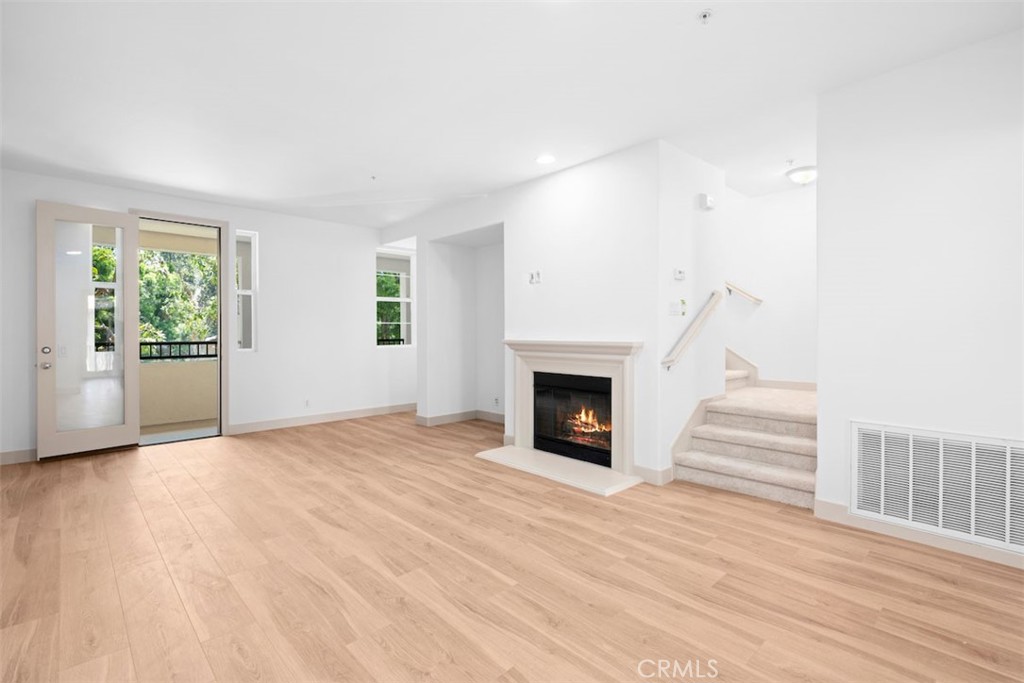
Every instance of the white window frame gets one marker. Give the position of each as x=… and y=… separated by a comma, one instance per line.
x=253, y=292
x=411, y=299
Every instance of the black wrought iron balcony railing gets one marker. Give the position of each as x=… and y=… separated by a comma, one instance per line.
x=179, y=350
x=390, y=342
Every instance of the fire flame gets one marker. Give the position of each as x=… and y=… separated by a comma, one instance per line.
x=585, y=422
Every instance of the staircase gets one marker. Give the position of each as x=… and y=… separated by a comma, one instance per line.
x=758, y=441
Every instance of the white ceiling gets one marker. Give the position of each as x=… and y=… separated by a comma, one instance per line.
x=481, y=237
x=295, y=106
x=754, y=146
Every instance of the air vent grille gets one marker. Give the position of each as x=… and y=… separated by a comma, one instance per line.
x=958, y=486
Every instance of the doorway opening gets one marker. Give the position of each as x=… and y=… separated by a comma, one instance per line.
x=179, y=331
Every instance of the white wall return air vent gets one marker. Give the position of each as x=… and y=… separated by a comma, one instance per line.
x=964, y=487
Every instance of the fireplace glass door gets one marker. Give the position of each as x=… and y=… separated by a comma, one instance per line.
x=572, y=416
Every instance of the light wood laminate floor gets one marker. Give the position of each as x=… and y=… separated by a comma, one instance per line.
x=375, y=550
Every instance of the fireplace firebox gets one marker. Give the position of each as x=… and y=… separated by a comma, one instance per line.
x=572, y=416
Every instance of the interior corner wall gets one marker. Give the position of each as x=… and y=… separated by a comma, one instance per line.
x=306, y=350
x=490, y=329
x=921, y=253
x=768, y=246
x=447, y=280
x=686, y=232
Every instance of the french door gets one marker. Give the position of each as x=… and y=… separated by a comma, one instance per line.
x=87, y=334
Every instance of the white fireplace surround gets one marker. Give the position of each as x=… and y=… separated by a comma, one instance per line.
x=612, y=359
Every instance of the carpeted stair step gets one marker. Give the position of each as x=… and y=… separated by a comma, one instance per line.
x=782, y=484
x=776, y=411
x=775, y=449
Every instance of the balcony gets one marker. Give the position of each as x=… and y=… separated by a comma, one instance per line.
x=179, y=386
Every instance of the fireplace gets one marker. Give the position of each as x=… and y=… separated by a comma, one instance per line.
x=572, y=416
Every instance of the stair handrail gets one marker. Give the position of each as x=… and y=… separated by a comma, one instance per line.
x=692, y=330
x=731, y=288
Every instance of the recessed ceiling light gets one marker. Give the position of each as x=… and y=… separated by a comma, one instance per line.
x=803, y=175
x=73, y=253
x=545, y=159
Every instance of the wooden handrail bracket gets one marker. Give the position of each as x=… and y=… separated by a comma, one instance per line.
x=733, y=289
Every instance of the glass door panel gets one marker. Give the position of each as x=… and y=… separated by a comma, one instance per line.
x=87, y=351
x=89, y=360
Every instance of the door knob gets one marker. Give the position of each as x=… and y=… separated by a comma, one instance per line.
x=46, y=366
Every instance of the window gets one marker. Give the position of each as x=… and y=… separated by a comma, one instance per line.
x=246, y=271
x=394, y=299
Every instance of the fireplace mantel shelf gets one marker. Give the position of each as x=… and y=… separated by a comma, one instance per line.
x=600, y=348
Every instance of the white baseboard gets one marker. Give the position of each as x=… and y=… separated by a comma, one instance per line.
x=786, y=384
x=15, y=457
x=697, y=418
x=838, y=513
x=656, y=477
x=509, y=440
x=248, y=427
x=460, y=417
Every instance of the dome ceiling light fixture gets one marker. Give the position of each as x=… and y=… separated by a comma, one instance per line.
x=801, y=175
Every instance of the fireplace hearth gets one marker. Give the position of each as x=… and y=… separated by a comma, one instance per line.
x=572, y=416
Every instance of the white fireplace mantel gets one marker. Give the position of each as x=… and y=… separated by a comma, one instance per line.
x=612, y=359
x=575, y=348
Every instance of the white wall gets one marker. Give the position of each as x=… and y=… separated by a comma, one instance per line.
x=684, y=231
x=768, y=246
x=594, y=233
x=920, y=243
x=490, y=328
x=446, y=275
x=316, y=336
x=461, y=339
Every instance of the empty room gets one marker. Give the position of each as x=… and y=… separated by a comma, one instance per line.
x=512, y=342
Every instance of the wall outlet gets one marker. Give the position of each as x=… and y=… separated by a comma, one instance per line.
x=307, y=402
x=679, y=273
x=495, y=400
x=535, y=277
